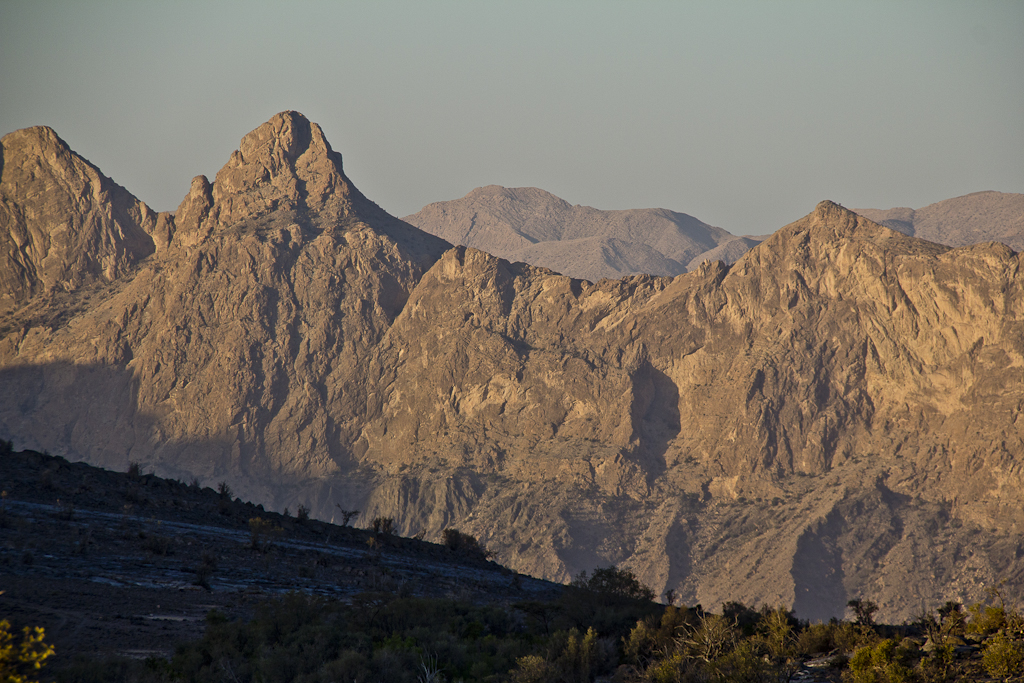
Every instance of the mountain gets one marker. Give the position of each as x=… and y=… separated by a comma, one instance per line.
x=536, y=227
x=971, y=219
x=836, y=415
x=64, y=224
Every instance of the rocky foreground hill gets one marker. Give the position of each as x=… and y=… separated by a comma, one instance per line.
x=536, y=227
x=836, y=415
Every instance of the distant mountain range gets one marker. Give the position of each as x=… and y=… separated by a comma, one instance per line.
x=536, y=227
x=838, y=414
x=972, y=219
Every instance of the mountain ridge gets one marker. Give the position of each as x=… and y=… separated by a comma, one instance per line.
x=809, y=421
x=973, y=218
x=532, y=225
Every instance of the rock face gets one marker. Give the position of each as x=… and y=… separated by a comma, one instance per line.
x=533, y=226
x=64, y=224
x=836, y=415
x=971, y=219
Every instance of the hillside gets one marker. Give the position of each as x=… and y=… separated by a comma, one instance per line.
x=971, y=219
x=533, y=226
x=129, y=564
x=836, y=415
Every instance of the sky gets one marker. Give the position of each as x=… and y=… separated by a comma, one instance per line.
x=742, y=114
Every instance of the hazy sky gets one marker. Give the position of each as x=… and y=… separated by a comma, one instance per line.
x=743, y=114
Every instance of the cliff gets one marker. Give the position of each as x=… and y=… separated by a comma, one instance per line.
x=836, y=415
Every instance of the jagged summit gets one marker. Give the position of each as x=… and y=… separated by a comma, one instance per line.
x=63, y=223
x=818, y=415
x=288, y=165
x=831, y=225
x=286, y=162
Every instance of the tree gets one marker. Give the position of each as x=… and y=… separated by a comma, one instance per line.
x=346, y=515
x=464, y=544
x=864, y=611
x=613, y=581
x=383, y=526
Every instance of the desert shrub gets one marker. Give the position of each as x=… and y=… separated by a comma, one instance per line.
x=464, y=544
x=746, y=663
x=885, y=662
x=742, y=617
x=21, y=663
x=533, y=669
x=777, y=628
x=985, y=620
x=302, y=513
x=383, y=526
x=654, y=634
x=1003, y=656
x=65, y=509
x=376, y=638
x=156, y=544
x=710, y=638
x=204, y=570
x=863, y=611
x=572, y=658
x=614, y=582
x=262, y=533
x=607, y=601
x=5, y=518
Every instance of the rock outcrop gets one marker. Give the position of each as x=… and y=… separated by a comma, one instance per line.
x=64, y=224
x=533, y=226
x=836, y=415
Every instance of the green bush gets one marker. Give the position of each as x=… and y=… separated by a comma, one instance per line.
x=885, y=662
x=615, y=582
x=1003, y=656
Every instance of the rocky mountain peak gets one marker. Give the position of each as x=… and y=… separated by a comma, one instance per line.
x=62, y=222
x=42, y=140
x=285, y=163
x=800, y=428
x=285, y=173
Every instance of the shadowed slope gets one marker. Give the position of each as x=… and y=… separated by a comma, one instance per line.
x=722, y=433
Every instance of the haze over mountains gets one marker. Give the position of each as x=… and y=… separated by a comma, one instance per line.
x=836, y=415
x=533, y=226
x=972, y=219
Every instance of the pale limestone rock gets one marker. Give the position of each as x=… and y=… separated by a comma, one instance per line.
x=63, y=224
x=836, y=415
